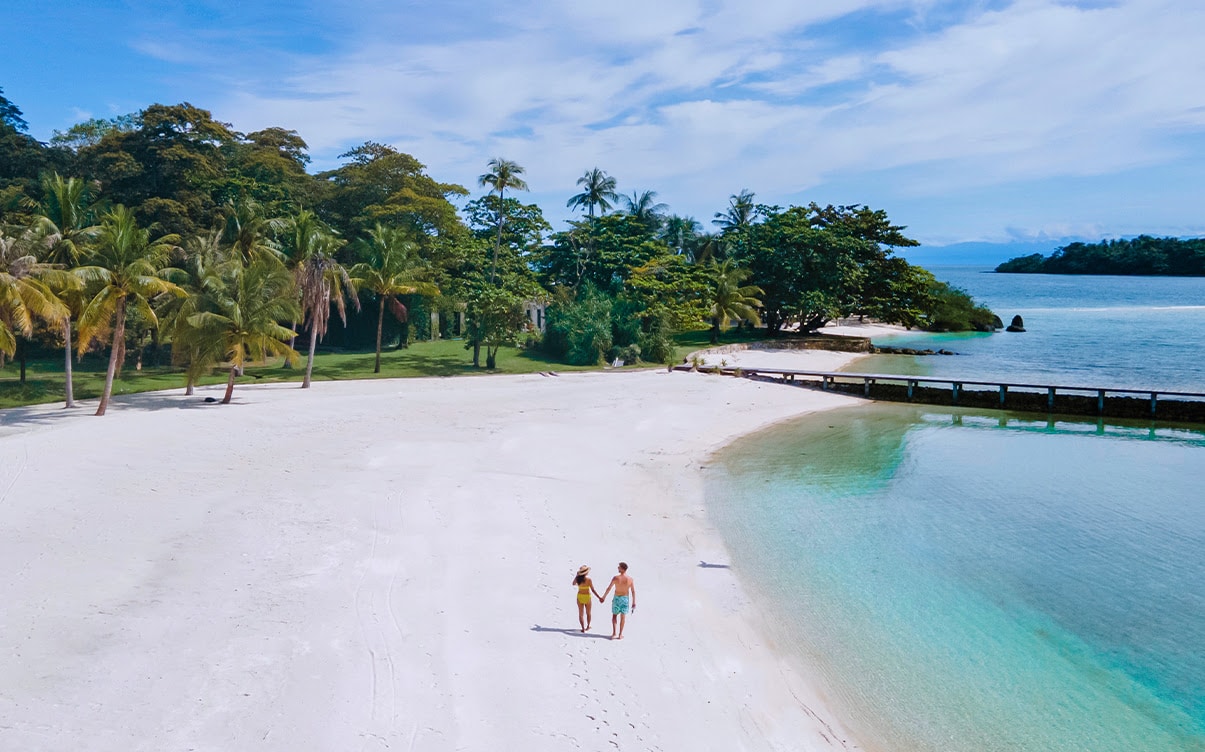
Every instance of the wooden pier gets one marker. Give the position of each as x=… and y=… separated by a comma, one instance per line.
x=1074, y=400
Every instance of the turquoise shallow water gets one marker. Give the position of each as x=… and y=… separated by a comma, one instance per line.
x=1121, y=332
x=967, y=580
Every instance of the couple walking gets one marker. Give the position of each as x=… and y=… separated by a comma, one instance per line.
x=622, y=604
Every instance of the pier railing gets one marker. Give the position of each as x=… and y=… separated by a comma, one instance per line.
x=1050, y=398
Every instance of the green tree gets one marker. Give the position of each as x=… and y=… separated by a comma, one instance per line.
x=125, y=272
x=391, y=267
x=603, y=252
x=90, y=132
x=22, y=158
x=730, y=298
x=502, y=174
x=495, y=317
x=380, y=184
x=598, y=190
x=240, y=319
x=816, y=264
x=169, y=170
x=269, y=167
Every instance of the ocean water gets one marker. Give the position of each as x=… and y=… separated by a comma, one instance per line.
x=975, y=580
x=969, y=580
x=1120, y=332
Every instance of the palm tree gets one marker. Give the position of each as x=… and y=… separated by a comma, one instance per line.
x=730, y=299
x=244, y=304
x=64, y=220
x=202, y=254
x=502, y=174
x=391, y=267
x=709, y=246
x=126, y=269
x=679, y=232
x=644, y=208
x=739, y=214
x=64, y=223
x=598, y=189
x=309, y=248
x=247, y=231
x=23, y=296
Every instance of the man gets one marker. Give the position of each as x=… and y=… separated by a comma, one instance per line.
x=624, y=601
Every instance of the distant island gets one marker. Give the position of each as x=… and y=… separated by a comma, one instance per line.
x=1140, y=256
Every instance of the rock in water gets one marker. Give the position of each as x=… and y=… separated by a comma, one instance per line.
x=1017, y=326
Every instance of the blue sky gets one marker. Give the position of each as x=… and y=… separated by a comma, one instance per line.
x=1026, y=121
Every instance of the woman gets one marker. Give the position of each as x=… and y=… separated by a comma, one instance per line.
x=584, y=587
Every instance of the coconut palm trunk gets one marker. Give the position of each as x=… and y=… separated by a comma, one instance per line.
x=292, y=345
x=115, y=352
x=309, y=361
x=498, y=240
x=230, y=385
x=380, y=325
x=67, y=365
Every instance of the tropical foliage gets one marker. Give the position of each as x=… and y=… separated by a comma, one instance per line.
x=167, y=234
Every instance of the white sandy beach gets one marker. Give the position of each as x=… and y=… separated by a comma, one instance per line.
x=386, y=565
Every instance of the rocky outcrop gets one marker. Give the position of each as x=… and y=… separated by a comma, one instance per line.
x=888, y=350
x=1018, y=325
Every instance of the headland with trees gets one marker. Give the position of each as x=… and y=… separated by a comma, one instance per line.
x=166, y=242
x=1140, y=256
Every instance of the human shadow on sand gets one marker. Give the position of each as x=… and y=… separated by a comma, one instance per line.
x=571, y=632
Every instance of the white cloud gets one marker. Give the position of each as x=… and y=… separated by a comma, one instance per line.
x=698, y=99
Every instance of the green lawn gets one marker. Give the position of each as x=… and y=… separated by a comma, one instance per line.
x=44, y=377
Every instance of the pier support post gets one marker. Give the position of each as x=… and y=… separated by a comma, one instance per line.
x=1100, y=402
x=824, y=383
x=911, y=385
x=866, y=387
x=1003, y=394
x=1050, y=398
x=957, y=386
x=1154, y=401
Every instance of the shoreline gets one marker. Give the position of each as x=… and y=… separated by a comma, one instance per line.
x=388, y=562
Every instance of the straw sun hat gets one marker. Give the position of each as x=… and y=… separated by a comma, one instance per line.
x=583, y=569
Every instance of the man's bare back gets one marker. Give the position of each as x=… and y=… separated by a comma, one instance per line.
x=622, y=584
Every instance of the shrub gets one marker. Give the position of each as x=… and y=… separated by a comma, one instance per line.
x=578, y=332
x=953, y=310
x=656, y=342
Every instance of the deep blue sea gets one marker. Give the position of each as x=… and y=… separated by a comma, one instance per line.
x=975, y=580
